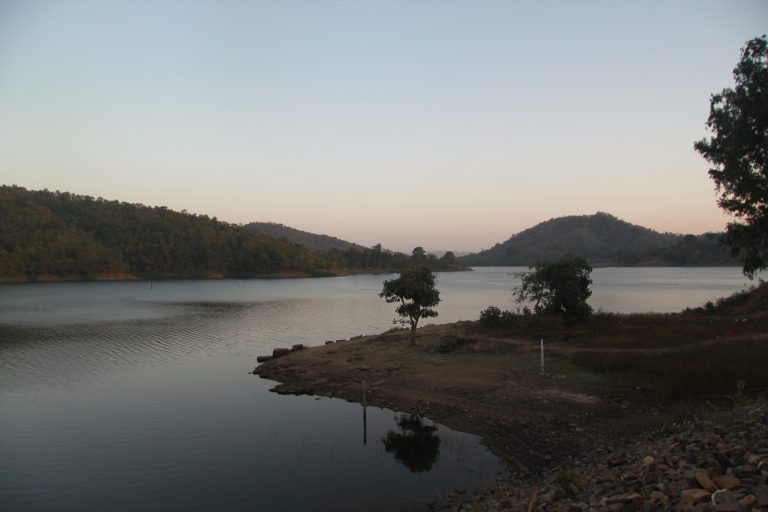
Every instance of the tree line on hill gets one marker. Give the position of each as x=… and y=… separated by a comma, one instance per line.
x=605, y=240
x=44, y=234
x=312, y=241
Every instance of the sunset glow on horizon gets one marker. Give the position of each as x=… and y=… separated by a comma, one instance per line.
x=446, y=125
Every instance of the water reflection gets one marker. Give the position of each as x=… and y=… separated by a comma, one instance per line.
x=416, y=446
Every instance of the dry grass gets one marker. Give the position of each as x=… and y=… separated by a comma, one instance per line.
x=667, y=357
x=630, y=331
x=707, y=371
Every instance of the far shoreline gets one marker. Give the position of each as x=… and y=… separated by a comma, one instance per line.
x=216, y=276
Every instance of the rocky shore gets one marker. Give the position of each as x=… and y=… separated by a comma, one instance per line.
x=718, y=464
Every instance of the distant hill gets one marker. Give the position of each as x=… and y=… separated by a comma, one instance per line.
x=50, y=235
x=604, y=240
x=356, y=255
x=62, y=236
x=312, y=241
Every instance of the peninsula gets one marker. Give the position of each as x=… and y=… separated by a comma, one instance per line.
x=612, y=381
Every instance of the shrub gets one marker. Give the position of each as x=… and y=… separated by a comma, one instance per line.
x=558, y=288
x=450, y=343
x=491, y=316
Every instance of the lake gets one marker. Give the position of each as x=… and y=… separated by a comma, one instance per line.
x=137, y=396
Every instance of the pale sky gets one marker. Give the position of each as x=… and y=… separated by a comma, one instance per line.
x=445, y=124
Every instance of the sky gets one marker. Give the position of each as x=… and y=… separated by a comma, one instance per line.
x=443, y=124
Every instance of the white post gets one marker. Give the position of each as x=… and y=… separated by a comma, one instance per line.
x=542, y=355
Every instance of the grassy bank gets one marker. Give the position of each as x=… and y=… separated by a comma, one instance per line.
x=702, y=353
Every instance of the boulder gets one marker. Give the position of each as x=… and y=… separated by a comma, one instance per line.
x=297, y=347
x=262, y=359
x=280, y=352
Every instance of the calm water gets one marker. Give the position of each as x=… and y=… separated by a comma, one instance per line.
x=122, y=396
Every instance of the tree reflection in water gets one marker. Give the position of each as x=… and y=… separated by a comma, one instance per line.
x=416, y=445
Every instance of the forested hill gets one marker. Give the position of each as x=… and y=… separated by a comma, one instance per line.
x=58, y=235
x=604, y=240
x=49, y=234
x=311, y=241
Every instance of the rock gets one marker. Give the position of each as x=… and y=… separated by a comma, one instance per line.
x=748, y=500
x=744, y=470
x=723, y=461
x=664, y=473
x=297, y=347
x=280, y=352
x=705, y=482
x=726, y=482
x=617, y=461
x=625, y=498
x=694, y=495
x=262, y=359
x=329, y=342
x=723, y=496
x=732, y=506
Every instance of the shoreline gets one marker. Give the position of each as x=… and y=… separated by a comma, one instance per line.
x=118, y=277
x=570, y=436
x=492, y=389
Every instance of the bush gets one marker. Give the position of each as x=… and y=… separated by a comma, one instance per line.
x=495, y=317
x=490, y=316
x=450, y=343
x=558, y=288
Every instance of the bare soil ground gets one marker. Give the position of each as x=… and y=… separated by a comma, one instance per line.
x=489, y=385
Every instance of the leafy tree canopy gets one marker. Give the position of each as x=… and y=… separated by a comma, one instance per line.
x=738, y=152
x=558, y=287
x=416, y=291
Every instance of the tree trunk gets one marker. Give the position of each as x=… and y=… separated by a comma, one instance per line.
x=413, y=334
